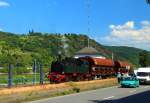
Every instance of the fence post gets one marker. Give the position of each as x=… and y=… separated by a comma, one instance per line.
x=41, y=74
x=34, y=71
x=10, y=76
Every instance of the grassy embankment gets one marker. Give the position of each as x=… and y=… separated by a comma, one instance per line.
x=20, y=94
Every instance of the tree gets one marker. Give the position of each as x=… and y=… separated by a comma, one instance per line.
x=31, y=31
x=143, y=59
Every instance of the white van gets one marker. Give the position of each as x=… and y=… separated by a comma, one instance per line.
x=143, y=74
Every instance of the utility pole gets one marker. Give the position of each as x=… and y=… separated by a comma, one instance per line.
x=88, y=20
x=112, y=57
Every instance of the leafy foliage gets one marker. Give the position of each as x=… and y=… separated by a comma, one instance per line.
x=143, y=59
x=129, y=54
x=21, y=50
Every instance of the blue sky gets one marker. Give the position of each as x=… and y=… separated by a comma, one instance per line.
x=112, y=22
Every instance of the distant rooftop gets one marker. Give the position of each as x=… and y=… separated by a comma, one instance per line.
x=88, y=51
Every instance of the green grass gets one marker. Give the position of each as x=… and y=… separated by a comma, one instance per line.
x=20, y=79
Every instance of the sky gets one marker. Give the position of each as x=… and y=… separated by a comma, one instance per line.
x=112, y=22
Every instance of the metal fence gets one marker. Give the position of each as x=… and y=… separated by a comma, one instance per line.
x=9, y=79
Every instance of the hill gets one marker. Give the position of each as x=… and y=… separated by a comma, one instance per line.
x=130, y=54
x=21, y=49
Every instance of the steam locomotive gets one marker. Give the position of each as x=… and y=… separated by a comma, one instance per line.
x=85, y=68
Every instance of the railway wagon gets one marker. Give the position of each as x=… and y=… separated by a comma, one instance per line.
x=123, y=67
x=100, y=68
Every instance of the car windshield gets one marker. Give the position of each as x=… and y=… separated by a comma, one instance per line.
x=142, y=74
x=128, y=79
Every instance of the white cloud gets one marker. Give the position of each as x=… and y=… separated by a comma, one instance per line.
x=145, y=23
x=127, y=25
x=128, y=35
x=3, y=4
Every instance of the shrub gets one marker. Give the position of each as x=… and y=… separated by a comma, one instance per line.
x=77, y=90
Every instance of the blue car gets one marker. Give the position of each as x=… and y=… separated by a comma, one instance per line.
x=129, y=82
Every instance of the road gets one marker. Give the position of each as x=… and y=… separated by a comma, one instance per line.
x=105, y=95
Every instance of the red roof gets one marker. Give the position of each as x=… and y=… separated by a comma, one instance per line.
x=123, y=64
x=102, y=62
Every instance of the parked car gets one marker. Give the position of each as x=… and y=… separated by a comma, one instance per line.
x=129, y=82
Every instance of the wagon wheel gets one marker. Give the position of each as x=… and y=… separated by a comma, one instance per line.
x=51, y=82
x=67, y=79
x=78, y=78
x=83, y=78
